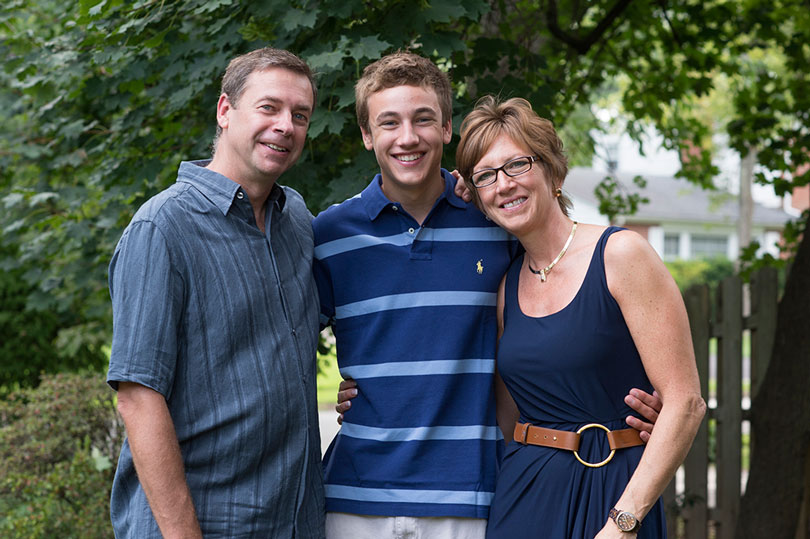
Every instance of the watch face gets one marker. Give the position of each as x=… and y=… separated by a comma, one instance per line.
x=626, y=521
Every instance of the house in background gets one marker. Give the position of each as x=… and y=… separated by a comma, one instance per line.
x=681, y=220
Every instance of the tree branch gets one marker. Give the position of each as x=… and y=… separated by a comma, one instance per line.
x=583, y=44
x=669, y=23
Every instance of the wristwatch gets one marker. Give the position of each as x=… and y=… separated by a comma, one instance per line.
x=626, y=521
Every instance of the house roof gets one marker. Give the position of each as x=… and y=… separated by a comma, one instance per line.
x=672, y=199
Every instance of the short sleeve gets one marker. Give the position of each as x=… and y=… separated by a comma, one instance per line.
x=147, y=298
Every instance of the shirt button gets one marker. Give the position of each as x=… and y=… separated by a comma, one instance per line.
x=410, y=231
x=240, y=195
x=395, y=208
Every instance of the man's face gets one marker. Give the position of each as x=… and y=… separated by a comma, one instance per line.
x=263, y=135
x=407, y=135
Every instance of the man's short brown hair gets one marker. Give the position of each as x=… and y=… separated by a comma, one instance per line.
x=402, y=69
x=240, y=68
x=514, y=118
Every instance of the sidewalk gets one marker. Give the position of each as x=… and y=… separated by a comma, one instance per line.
x=329, y=427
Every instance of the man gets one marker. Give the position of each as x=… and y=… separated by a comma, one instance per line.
x=215, y=330
x=407, y=274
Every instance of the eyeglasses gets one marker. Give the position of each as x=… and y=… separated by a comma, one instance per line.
x=514, y=167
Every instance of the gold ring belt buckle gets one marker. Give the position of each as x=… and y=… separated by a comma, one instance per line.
x=598, y=464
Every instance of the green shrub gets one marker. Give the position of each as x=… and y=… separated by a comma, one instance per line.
x=58, y=443
x=34, y=341
x=709, y=271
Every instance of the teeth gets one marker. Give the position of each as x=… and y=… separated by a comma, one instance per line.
x=514, y=203
x=276, y=148
x=411, y=157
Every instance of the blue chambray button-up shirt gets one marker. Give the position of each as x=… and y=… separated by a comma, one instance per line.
x=222, y=320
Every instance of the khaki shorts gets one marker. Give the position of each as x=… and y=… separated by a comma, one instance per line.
x=348, y=526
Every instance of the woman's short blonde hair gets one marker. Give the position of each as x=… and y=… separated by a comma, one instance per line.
x=514, y=118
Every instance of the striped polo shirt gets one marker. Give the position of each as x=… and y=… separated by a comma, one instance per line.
x=413, y=311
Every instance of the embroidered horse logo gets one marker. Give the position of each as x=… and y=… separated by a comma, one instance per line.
x=479, y=267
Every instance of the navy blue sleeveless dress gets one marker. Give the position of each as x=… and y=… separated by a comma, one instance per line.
x=566, y=370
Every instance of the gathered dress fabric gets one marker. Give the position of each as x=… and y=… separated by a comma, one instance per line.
x=566, y=370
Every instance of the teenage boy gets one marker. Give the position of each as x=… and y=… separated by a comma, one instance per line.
x=407, y=274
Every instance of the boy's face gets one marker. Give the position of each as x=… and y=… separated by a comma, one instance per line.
x=408, y=136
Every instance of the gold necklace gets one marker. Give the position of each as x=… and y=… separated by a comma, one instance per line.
x=543, y=272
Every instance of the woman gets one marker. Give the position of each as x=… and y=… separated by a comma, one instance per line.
x=585, y=314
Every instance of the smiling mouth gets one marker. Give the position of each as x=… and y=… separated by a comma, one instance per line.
x=276, y=148
x=407, y=158
x=512, y=204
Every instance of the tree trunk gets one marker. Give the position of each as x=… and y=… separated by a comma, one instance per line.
x=780, y=419
x=747, y=163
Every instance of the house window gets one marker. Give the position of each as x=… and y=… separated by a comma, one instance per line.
x=672, y=246
x=709, y=246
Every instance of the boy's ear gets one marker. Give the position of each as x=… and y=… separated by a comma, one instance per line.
x=368, y=140
x=447, y=131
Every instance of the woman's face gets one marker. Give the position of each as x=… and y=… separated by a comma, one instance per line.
x=517, y=203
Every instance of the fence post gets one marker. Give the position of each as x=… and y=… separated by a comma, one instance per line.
x=762, y=323
x=729, y=404
x=696, y=491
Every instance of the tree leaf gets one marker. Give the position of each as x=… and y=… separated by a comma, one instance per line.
x=329, y=60
x=297, y=18
x=368, y=47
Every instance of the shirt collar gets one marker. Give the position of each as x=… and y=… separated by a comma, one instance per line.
x=220, y=190
x=375, y=201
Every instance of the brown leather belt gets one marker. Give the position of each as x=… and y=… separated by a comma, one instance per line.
x=526, y=433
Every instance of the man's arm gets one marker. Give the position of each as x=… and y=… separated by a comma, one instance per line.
x=648, y=406
x=157, y=458
x=346, y=392
x=461, y=189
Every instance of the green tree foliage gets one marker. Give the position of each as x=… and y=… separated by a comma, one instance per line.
x=58, y=443
x=102, y=99
x=30, y=339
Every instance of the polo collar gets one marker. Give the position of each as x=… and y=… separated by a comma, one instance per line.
x=219, y=189
x=375, y=201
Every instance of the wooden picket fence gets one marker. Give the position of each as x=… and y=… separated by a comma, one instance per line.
x=703, y=509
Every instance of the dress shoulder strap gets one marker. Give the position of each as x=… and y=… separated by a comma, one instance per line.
x=599, y=252
x=510, y=292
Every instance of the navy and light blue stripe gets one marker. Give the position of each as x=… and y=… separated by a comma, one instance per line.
x=413, y=311
x=417, y=368
x=416, y=496
x=361, y=241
